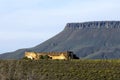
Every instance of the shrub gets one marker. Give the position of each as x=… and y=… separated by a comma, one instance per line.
x=26, y=58
x=46, y=57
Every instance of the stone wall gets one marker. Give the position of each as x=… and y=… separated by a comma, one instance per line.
x=61, y=56
x=53, y=55
x=31, y=55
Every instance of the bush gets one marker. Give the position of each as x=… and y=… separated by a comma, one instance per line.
x=41, y=57
x=46, y=57
x=26, y=58
x=60, y=70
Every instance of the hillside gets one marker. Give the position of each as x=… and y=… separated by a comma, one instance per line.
x=90, y=40
x=60, y=70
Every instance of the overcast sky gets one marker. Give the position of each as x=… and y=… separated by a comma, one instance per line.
x=26, y=23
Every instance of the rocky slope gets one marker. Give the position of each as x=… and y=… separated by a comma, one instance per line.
x=93, y=40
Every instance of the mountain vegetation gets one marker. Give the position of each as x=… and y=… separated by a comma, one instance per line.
x=59, y=69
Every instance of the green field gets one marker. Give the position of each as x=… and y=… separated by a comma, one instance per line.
x=60, y=70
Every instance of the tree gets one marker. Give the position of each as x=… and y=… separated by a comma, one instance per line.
x=44, y=57
x=41, y=57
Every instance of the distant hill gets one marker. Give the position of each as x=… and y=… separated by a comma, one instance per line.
x=90, y=40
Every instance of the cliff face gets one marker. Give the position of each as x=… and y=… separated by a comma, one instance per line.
x=96, y=24
x=94, y=40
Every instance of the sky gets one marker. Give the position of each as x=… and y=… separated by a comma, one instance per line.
x=27, y=23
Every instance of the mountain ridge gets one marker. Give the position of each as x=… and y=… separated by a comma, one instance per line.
x=93, y=24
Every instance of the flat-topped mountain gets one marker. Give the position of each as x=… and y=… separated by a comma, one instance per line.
x=90, y=40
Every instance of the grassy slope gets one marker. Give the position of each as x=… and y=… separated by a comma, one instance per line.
x=60, y=70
